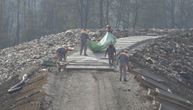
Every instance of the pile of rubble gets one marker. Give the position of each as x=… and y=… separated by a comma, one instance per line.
x=172, y=58
x=16, y=59
x=98, y=33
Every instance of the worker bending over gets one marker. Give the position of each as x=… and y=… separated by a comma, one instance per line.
x=123, y=61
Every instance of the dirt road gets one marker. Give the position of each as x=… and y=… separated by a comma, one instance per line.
x=96, y=90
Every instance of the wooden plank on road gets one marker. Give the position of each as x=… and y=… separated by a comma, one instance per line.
x=88, y=67
x=154, y=84
x=149, y=74
x=163, y=95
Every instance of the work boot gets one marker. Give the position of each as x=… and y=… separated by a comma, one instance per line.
x=85, y=55
x=125, y=80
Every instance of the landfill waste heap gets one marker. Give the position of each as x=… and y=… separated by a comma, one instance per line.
x=172, y=58
x=15, y=61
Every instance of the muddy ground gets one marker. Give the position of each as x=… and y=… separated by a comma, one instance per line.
x=96, y=90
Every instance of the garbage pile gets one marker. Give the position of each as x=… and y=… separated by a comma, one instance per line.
x=14, y=60
x=99, y=33
x=170, y=57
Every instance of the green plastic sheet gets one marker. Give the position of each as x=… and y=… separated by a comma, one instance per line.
x=103, y=44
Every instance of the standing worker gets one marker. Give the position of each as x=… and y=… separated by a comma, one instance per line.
x=84, y=37
x=109, y=29
x=111, y=54
x=123, y=60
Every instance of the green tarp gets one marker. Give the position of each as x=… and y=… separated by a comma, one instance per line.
x=103, y=44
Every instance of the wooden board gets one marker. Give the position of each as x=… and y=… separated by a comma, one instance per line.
x=88, y=67
x=154, y=84
x=172, y=98
x=149, y=74
x=165, y=105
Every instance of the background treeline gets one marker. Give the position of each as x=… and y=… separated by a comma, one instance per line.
x=24, y=20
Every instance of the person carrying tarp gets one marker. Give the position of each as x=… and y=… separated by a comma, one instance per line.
x=103, y=44
x=111, y=54
x=84, y=37
x=123, y=60
x=109, y=29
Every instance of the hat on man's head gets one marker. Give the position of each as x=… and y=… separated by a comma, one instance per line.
x=126, y=51
x=108, y=25
x=83, y=30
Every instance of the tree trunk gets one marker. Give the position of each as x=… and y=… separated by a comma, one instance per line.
x=107, y=12
x=86, y=13
x=172, y=13
x=136, y=15
x=1, y=15
x=18, y=23
x=81, y=13
x=181, y=13
x=101, y=12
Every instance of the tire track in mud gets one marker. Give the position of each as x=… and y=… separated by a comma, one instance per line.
x=83, y=90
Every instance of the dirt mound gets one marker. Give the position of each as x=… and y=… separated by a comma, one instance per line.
x=16, y=59
x=170, y=57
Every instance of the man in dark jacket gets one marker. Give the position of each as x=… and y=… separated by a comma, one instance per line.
x=123, y=60
x=111, y=54
x=109, y=29
x=62, y=52
x=61, y=56
x=84, y=37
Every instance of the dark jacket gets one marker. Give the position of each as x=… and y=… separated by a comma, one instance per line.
x=84, y=37
x=123, y=59
x=61, y=52
x=111, y=51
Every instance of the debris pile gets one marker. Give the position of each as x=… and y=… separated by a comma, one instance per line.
x=172, y=58
x=16, y=59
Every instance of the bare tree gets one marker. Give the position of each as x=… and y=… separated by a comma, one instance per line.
x=24, y=20
x=84, y=12
x=18, y=23
x=170, y=8
x=101, y=3
x=107, y=12
x=136, y=13
x=119, y=13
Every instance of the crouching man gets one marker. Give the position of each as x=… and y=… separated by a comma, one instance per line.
x=61, y=57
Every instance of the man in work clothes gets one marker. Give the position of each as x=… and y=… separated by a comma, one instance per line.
x=109, y=29
x=123, y=60
x=61, y=56
x=61, y=53
x=111, y=54
x=84, y=37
